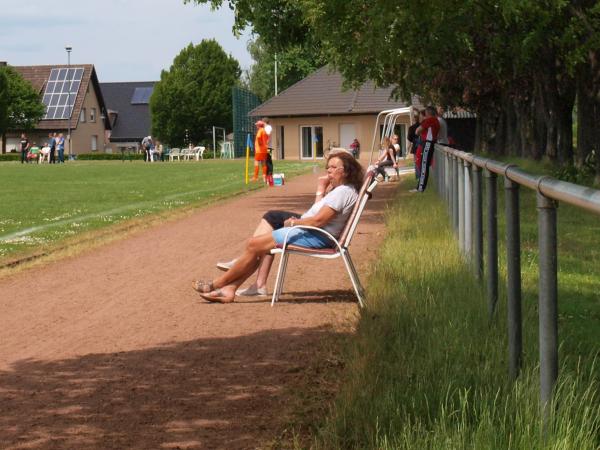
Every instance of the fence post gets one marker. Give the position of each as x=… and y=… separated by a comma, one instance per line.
x=548, y=301
x=447, y=179
x=477, y=223
x=468, y=210
x=513, y=270
x=461, y=205
x=492, y=242
x=455, y=193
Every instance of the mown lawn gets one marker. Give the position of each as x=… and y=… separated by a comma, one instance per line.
x=428, y=370
x=42, y=206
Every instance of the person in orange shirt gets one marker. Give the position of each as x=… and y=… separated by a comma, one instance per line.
x=261, y=149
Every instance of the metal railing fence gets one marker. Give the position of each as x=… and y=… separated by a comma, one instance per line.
x=458, y=177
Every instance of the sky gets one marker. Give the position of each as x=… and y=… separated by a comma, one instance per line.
x=126, y=40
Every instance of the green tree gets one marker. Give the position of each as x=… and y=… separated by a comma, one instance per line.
x=294, y=63
x=194, y=94
x=20, y=104
x=280, y=29
x=519, y=64
x=3, y=102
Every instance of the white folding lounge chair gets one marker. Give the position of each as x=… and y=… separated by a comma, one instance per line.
x=340, y=249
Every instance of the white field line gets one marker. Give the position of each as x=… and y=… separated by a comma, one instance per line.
x=30, y=230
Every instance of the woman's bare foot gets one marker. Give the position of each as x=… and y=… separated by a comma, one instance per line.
x=225, y=294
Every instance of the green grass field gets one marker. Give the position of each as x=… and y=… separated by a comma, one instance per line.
x=427, y=370
x=42, y=206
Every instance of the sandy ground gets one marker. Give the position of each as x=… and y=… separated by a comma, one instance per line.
x=112, y=349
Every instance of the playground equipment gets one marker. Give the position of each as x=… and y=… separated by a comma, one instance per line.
x=389, y=122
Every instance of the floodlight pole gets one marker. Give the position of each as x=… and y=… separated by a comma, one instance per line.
x=68, y=48
x=275, y=74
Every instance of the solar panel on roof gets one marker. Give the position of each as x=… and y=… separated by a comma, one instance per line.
x=141, y=95
x=61, y=92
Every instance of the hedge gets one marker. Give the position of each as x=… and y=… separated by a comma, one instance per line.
x=10, y=157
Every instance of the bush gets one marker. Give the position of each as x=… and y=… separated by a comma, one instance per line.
x=109, y=156
x=10, y=157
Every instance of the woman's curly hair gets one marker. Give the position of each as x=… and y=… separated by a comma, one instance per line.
x=354, y=173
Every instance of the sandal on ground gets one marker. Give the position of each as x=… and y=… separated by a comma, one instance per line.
x=217, y=296
x=203, y=287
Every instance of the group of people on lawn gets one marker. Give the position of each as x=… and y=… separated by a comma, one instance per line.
x=55, y=146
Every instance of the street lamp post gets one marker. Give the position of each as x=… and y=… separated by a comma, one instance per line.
x=68, y=48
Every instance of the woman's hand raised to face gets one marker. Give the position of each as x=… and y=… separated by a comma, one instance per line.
x=323, y=183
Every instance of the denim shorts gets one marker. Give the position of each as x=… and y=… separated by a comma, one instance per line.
x=303, y=238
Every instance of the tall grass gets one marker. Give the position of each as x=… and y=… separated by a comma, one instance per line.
x=428, y=370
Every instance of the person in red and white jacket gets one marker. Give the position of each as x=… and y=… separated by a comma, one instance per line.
x=428, y=132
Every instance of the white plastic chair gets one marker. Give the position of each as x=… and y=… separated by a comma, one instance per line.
x=226, y=150
x=175, y=153
x=340, y=248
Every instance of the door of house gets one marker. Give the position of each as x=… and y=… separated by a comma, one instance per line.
x=311, y=142
x=347, y=134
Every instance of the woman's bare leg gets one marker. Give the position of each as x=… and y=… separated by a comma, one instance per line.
x=245, y=266
x=263, y=271
x=263, y=227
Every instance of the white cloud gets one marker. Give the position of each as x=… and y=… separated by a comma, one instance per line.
x=127, y=40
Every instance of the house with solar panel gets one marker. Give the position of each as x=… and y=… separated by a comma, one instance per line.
x=128, y=110
x=73, y=102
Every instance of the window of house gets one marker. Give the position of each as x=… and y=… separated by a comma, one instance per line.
x=311, y=142
x=94, y=143
x=92, y=114
x=82, y=115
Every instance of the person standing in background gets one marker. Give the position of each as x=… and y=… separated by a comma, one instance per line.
x=428, y=133
x=443, y=134
x=268, y=130
x=24, y=145
x=52, y=145
x=355, y=148
x=261, y=149
x=147, y=147
x=412, y=137
x=60, y=146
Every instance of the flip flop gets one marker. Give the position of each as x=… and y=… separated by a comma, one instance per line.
x=216, y=296
x=203, y=287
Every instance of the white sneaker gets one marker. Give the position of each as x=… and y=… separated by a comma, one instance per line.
x=225, y=266
x=252, y=291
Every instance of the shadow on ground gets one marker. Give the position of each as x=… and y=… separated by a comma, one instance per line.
x=207, y=393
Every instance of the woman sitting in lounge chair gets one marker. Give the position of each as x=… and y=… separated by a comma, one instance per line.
x=330, y=212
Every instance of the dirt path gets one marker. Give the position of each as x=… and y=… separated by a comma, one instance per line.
x=112, y=349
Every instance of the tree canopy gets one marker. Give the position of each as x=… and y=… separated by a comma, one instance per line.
x=279, y=28
x=194, y=94
x=293, y=64
x=519, y=64
x=20, y=104
x=513, y=62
